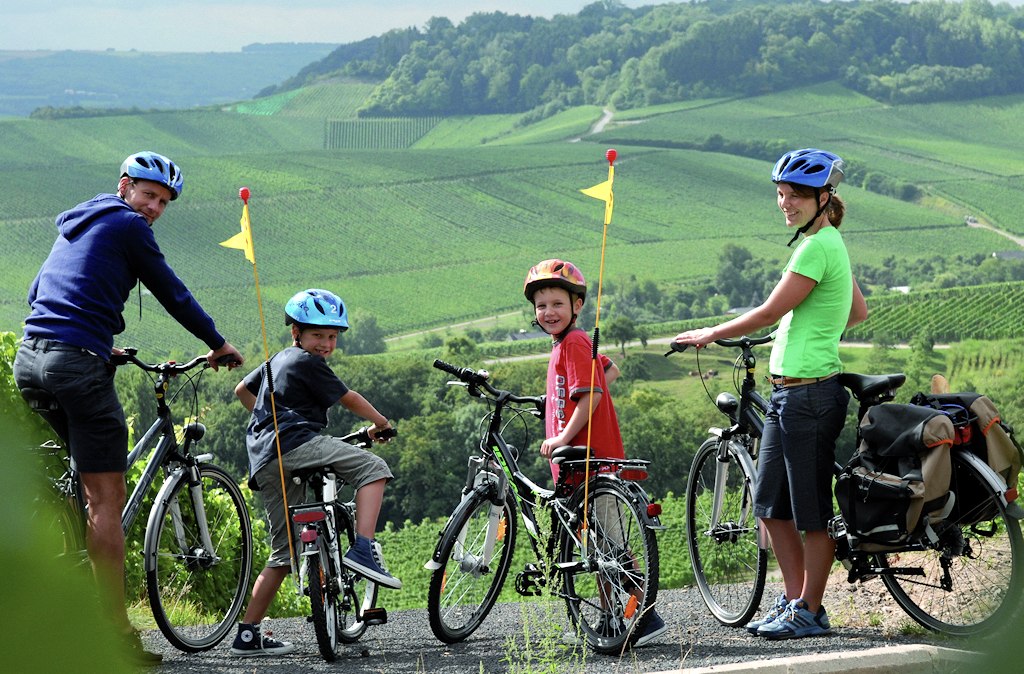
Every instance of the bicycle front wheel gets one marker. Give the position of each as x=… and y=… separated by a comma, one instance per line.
x=475, y=554
x=323, y=600
x=611, y=574
x=721, y=534
x=974, y=576
x=197, y=585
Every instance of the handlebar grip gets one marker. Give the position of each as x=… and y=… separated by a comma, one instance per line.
x=463, y=373
x=676, y=347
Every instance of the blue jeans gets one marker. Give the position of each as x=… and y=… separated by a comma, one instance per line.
x=797, y=457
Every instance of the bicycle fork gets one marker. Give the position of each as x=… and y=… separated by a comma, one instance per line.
x=202, y=555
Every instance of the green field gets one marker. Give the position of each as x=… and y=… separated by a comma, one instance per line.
x=443, y=231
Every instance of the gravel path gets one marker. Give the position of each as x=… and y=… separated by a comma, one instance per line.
x=862, y=617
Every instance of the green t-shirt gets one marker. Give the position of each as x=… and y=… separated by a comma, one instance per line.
x=807, y=341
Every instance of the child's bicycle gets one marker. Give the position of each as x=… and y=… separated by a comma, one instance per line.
x=343, y=603
x=966, y=581
x=601, y=557
x=197, y=552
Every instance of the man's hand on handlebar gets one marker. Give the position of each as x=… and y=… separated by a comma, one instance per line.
x=225, y=355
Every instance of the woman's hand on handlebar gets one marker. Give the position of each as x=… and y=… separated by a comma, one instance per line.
x=698, y=338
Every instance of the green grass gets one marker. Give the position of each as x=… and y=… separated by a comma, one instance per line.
x=442, y=233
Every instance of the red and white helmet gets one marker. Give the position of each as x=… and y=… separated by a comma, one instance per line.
x=555, y=273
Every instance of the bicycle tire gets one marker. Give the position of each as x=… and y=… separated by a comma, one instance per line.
x=196, y=593
x=729, y=566
x=323, y=600
x=359, y=594
x=986, y=565
x=609, y=607
x=464, y=588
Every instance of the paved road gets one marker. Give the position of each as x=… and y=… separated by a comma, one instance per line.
x=406, y=644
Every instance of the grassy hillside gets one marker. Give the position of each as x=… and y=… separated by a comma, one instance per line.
x=444, y=231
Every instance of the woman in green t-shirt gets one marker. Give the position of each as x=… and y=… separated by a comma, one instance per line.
x=816, y=299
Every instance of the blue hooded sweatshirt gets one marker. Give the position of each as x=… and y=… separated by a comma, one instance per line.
x=103, y=249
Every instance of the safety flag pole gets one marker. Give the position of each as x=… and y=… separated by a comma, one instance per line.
x=602, y=191
x=244, y=241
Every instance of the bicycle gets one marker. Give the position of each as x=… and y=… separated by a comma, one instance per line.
x=197, y=550
x=602, y=556
x=964, y=582
x=343, y=603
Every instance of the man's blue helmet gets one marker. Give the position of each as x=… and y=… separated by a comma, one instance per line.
x=809, y=167
x=148, y=165
x=316, y=307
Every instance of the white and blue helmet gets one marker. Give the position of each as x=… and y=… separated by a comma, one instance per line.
x=316, y=307
x=810, y=167
x=148, y=165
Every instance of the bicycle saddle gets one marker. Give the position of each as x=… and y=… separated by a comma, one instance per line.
x=869, y=386
x=568, y=453
x=39, y=400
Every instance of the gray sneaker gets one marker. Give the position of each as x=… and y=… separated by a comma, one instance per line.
x=777, y=609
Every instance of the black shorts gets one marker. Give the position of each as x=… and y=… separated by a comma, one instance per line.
x=90, y=420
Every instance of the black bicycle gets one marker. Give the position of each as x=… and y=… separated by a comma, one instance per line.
x=197, y=551
x=343, y=603
x=601, y=557
x=965, y=580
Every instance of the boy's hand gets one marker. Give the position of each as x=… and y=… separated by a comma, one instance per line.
x=377, y=428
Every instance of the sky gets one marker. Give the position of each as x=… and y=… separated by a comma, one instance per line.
x=228, y=25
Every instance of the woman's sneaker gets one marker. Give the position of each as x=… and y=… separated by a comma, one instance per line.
x=365, y=558
x=249, y=642
x=773, y=613
x=797, y=622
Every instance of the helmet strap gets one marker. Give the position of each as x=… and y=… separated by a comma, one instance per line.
x=821, y=209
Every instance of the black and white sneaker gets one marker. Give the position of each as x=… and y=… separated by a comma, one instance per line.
x=250, y=641
x=365, y=558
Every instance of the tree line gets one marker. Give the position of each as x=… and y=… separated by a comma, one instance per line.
x=609, y=54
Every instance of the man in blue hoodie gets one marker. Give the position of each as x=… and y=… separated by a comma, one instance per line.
x=103, y=249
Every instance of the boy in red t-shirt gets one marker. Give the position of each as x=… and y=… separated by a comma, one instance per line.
x=577, y=390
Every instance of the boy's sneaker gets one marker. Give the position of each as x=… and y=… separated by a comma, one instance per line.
x=773, y=613
x=365, y=558
x=797, y=622
x=250, y=641
x=655, y=628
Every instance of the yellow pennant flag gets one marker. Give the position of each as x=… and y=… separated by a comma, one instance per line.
x=243, y=240
x=603, y=192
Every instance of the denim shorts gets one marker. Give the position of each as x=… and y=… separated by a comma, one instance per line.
x=354, y=465
x=90, y=420
x=797, y=456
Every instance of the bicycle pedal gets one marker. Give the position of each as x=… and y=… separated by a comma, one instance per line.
x=375, y=616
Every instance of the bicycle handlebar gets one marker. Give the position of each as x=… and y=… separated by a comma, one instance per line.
x=361, y=437
x=170, y=367
x=477, y=379
x=741, y=342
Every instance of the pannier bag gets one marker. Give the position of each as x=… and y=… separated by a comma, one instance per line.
x=981, y=431
x=980, y=428
x=897, y=483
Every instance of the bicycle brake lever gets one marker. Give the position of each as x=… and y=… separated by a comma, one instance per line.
x=675, y=347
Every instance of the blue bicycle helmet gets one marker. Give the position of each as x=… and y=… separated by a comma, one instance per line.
x=316, y=307
x=809, y=167
x=148, y=165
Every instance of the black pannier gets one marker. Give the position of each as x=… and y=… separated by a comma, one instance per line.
x=897, y=484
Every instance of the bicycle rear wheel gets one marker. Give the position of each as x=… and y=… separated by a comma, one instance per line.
x=611, y=586
x=196, y=588
x=475, y=554
x=323, y=600
x=973, y=578
x=721, y=534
